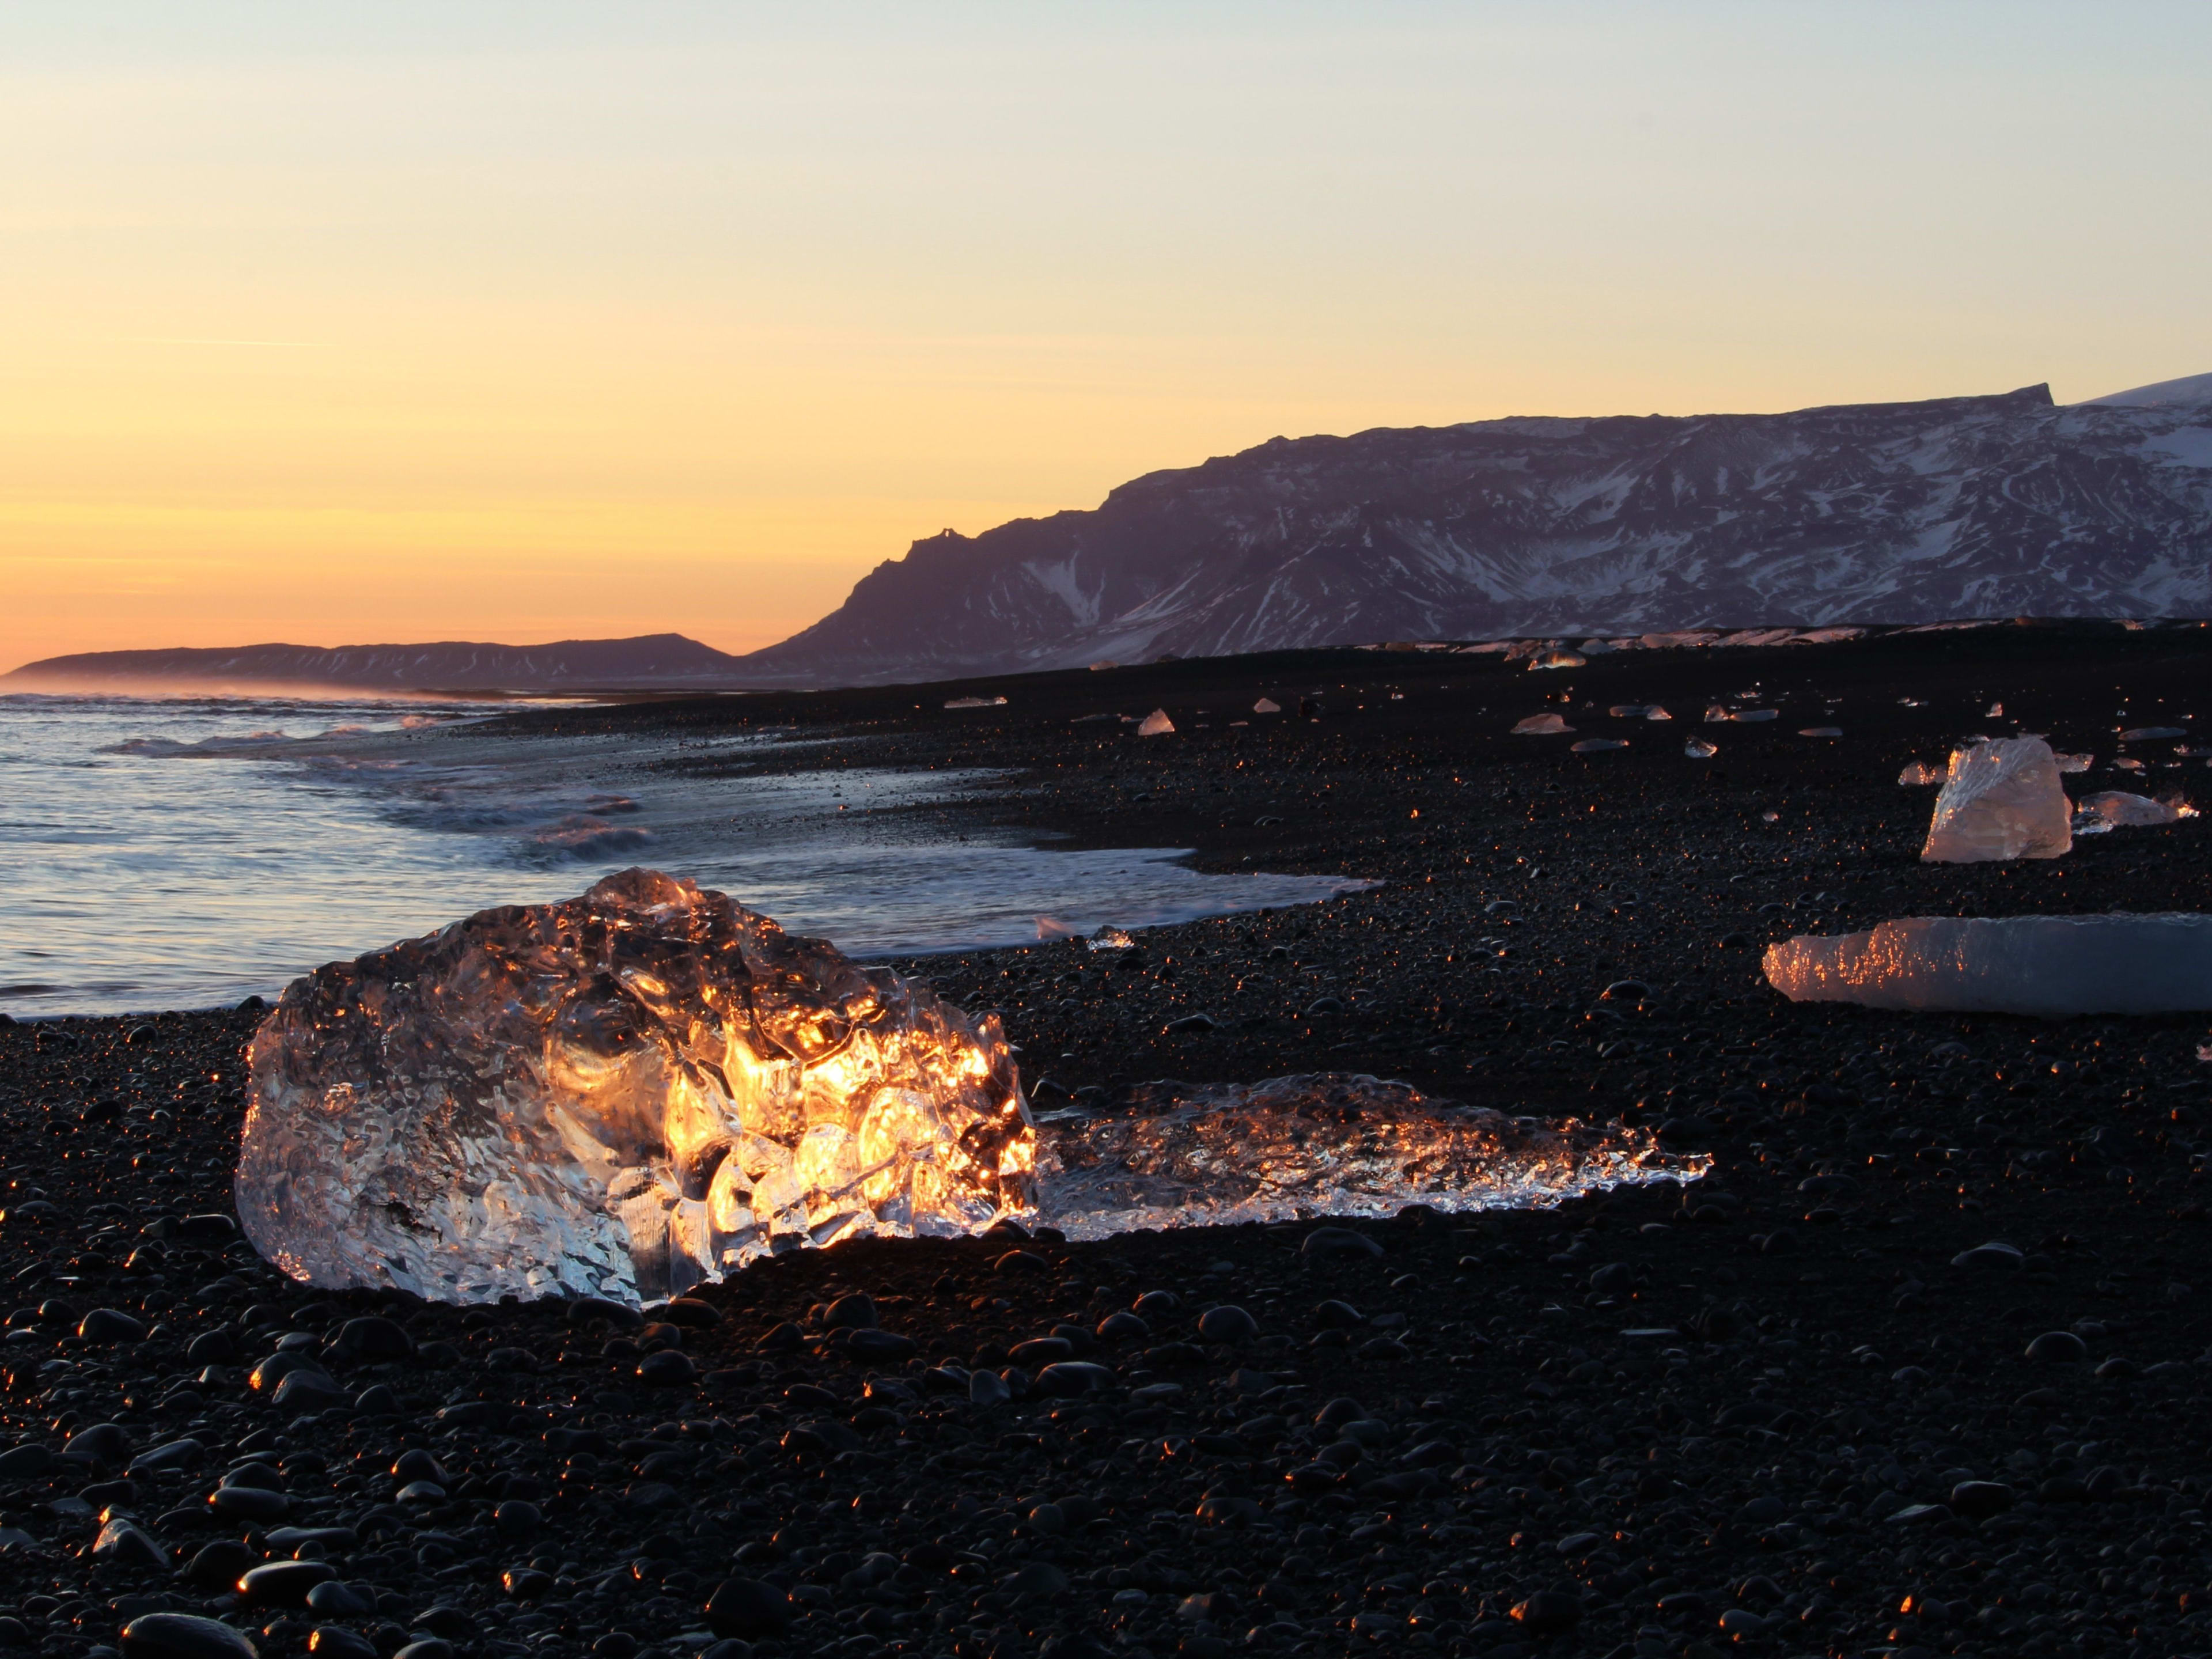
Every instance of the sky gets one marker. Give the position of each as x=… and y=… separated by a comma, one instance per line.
x=340, y=324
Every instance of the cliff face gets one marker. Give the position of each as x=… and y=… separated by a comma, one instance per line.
x=1958, y=508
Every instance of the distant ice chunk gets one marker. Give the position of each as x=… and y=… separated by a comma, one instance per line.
x=1541, y=725
x=976, y=702
x=1919, y=773
x=620, y=1095
x=1558, y=660
x=1266, y=706
x=1156, y=724
x=2120, y=810
x=1319, y=1143
x=2000, y=800
x=2075, y=762
x=1699, y=749
x=2051, y=965
x=1594, y=745
x=2149, y=733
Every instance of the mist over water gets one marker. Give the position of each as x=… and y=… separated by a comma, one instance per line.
x=186, y=853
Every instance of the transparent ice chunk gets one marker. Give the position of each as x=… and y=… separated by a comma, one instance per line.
x=1541, y=726
x=1156, y=724
x=2051, y=965
x=2000, y=800
x=2117, y=809
x=619, y=1095
x=1322, y=1144
x=1918, y=774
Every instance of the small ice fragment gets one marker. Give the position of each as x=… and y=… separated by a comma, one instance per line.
x=1997, y=711
x=2120, y=810
x=2204, y=1052
x=976, y=702
x=1541, y=725
x=1752, y=716
x=1266, y=706
x=2147, y=733
x=1051, y=928
x=1629, y=711
x=2075, y=762
x=1111, y=939
x=2050, y=965
x=2001, y=799
x=1699, y=749
x=1716, y=715
x=1156, y=724
x=1819, y=731
x=1559, y=659
x=1919, y=773
x=2129, y=765
x=1657, y=713
x=620, y=1095
x=1592, y=745
x=1770, y=815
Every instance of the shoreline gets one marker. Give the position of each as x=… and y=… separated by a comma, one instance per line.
x=1798, y=1446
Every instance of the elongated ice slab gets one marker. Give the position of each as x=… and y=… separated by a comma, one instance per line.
x=1323, y=1144
x=2000, y=800
x=619, y=1095
x=2053, y=965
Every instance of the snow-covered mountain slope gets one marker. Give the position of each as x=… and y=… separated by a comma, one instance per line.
x=2189, y=389
x=650, y=660
x=1958, y=507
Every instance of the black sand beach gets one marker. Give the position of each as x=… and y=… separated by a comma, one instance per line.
x=1791, y=1409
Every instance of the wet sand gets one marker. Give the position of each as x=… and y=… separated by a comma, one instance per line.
x=1767, y=1411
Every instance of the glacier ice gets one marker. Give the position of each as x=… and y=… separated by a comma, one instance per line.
x=629, y=1092
x=2051, y=965
x=1156, y=724
x=2115, y=809
x=2000, y=800
x=1541, y=726
x=1319, y=1143
x=619, y=1095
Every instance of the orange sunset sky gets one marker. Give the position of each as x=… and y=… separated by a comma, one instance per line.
x=341, y=324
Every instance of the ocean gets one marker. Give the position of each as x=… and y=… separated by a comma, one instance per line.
x=187, y=852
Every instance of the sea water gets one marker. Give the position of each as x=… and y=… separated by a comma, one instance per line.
x=186, y=853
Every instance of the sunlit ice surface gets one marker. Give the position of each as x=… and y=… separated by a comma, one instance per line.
x=1325, y=1143
x=629, y=1092
x=621, y=1095
x=186, y=853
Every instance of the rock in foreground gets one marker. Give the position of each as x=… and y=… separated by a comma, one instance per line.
x=620, y=1095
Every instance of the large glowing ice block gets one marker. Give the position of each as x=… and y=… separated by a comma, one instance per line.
x=2000, y=800
x=2054, y=965
x=620, y=1095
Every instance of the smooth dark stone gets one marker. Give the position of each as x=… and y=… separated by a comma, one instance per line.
x=1762, y=1511
x=1157, y=1305
x=337, y=1642
x=1041, y=1350
x=219, y=1565
x=1228, y=1325
x=307, y=1390
x=786, y=1338
x=172, y=1455
x=879, y=1348
x=1069, y=1377
x=249, y=1504
x=2058, y=1348
x=25, y=1463
x=124, y=1544
x=183, y=1635
x=415, y=1464
x=748, y=1610
x=372, y=1338
x=332, y=1599
x=376, y=1400
x=620, y=1314
x=282, y=1584
x=1549, y=1611
x=1123, y=1327
x=519, y=1519
x=1021, y=1262
x=1338, y=1242
x=103, y=1443
x=111, y=1325
x=668, y=1369
x=856, y=1311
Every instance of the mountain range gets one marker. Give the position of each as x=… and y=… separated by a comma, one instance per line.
x=1944, y=509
